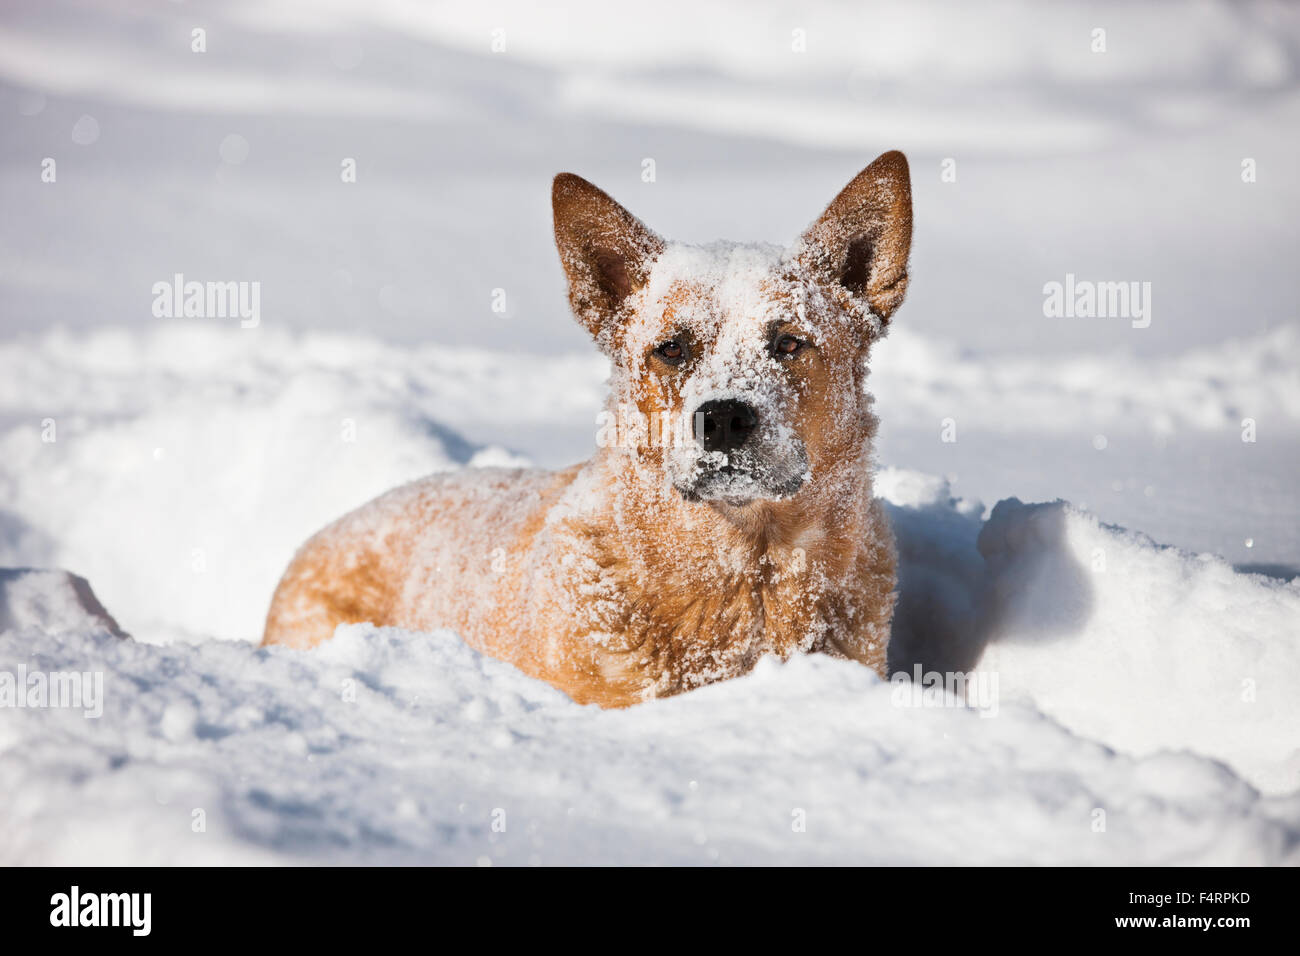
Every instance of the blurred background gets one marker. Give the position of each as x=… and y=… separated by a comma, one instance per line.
x=1121, y=164
x=1100, y=139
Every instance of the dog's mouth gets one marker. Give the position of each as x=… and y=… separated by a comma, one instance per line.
x=740, y=480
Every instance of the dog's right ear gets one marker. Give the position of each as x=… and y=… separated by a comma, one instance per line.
x=864, y=237
x=605, y=250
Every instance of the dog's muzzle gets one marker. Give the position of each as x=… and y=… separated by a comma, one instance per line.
x=740, y=462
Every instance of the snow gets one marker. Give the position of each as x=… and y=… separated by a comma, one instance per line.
x=1141, y=632
x=56, y=602
x=402, y=747
x=1124, y=641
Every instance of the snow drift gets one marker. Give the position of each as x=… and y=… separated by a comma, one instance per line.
x=397, y=747
x=1136, y=645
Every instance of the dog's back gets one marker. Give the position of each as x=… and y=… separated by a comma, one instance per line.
x=432, y=553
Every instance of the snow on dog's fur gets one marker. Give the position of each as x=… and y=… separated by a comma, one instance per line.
x=728, y=512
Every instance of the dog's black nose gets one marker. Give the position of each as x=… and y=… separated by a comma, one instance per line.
x=723, y=425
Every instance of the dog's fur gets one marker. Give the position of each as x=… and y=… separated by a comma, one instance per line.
x=658, y=566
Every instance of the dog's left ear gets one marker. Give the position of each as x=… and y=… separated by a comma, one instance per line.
x=863, y=238
x=605, y=250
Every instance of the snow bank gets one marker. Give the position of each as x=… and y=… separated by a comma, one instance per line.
x=178, y=471
x=52, y=602
x=1141, y=646
x=1138, y=646
x=386, y=746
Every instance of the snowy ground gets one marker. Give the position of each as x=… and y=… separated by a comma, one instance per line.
x=440, y=743
x=1145, y=673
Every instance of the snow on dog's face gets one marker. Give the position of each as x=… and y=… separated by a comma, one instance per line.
x=739, y=368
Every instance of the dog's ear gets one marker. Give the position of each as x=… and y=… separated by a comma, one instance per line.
x=605, y=250
x=863, y=238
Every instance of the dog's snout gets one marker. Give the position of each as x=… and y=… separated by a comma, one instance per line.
x=724, y=425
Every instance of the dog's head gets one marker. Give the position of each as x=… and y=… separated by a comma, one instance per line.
x=739, y=369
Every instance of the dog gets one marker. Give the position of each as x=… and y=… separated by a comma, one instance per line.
x=728, y=512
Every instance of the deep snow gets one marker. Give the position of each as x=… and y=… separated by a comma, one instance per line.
x=176, y=464
x=398, y=747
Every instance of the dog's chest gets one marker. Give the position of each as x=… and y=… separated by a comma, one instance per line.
x=661, y=622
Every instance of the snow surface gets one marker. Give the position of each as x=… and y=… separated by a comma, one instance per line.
x=1151, y=678
x=440, y=743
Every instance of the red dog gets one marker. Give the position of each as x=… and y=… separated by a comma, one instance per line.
x=728, y=512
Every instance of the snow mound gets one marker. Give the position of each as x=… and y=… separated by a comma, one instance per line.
x=390, y=746
x=52, y=602
x=1142, y=646
x=198, y=462
x=1139, y=646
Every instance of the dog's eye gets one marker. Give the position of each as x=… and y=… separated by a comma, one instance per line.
x=672, y=352
x=787, y=345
